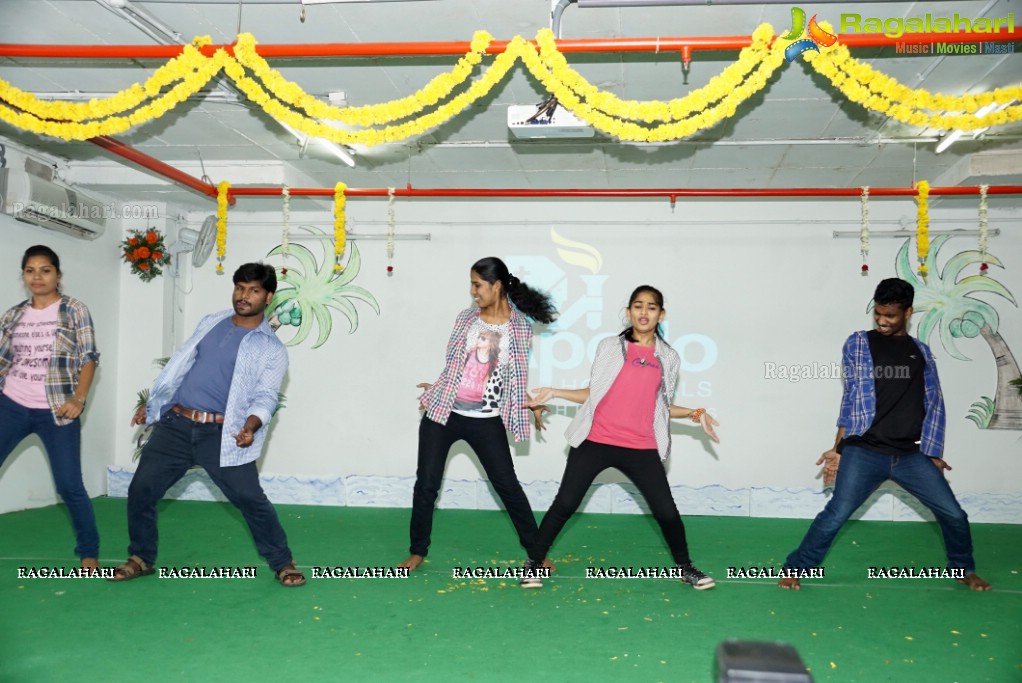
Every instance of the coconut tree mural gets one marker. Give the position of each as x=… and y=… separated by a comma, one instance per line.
x=315, y=288
x=948, y=306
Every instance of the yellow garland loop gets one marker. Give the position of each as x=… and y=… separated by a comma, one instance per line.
x=340, y=236
x=679, y=118
x=923, y=225
x=221, y=224
x=654, y=110
x=862, y=84
x=179, y=68
x=372, y=114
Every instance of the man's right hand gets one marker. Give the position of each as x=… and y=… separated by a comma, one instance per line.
x=832, y=459
x=139, y=417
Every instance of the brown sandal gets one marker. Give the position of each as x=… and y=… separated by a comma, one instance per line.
x=289, y=571
x=133, y=568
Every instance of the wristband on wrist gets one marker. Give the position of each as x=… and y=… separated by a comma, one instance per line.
x=79, y=401
x=696, y=414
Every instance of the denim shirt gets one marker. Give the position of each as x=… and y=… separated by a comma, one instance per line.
x=859, y=401
x=610, y=358
x=255, y=384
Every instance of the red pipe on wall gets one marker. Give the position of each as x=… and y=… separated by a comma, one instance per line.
x=409, y=49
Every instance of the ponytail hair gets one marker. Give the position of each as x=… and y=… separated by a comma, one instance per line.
x=658, y=297
x=532, y=302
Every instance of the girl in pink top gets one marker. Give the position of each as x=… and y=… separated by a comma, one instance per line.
x=48, y=358
x=624, y=422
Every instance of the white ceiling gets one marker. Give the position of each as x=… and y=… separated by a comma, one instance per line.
x=799, y=132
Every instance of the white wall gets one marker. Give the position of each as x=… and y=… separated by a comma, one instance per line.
x=92, y=273
x=755, y=282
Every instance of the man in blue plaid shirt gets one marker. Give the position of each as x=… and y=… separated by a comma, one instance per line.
x=210, y=407
x=891, y=426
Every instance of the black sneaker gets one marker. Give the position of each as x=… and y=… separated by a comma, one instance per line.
x=695, y=578
x=532, y=575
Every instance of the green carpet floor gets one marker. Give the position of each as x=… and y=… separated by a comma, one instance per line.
x=432, y=627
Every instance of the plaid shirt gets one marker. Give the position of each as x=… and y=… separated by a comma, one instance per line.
x=611, y=354
x=258, y=374
x=859, y=402
x=73, y=347
x=439, y=398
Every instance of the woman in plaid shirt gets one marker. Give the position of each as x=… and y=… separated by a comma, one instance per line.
x=48, y=358
x=479, y=401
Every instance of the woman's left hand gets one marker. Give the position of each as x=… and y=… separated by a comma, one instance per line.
x=537, y=415
x=708, y=424
x=70, y=410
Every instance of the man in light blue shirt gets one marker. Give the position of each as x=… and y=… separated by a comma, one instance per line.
x=209, y=407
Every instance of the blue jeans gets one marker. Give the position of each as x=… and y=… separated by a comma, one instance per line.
x=64, y=449
x=861, y=472
x=176, y=445
x=487, y=437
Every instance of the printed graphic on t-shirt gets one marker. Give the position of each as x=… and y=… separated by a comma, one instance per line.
x=481, y=384
x=32, y=345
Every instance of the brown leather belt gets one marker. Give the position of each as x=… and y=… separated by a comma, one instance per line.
x=197, y=415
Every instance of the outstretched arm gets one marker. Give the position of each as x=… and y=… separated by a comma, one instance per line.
x=544, y=394
x=700, y=416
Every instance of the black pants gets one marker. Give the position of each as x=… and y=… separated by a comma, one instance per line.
x=488, y=439
x=645, y=470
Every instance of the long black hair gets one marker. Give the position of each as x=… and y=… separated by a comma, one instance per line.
x=529, y=301
x=658, y=297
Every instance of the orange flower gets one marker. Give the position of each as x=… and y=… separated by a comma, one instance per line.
x=150, y=237
x=143, y=252
x=133, y=242
x=143, y=266
x=157, y=255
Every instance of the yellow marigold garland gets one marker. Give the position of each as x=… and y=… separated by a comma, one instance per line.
x=437, y=89
x=923, y=225
x=340, y=236
x=221, y=224
x=862, y=84
x=182, y=67
x=679, y=118
x=654, y=110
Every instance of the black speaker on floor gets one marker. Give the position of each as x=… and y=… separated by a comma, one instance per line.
x=756, y=661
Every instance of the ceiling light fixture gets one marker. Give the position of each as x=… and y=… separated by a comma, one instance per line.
x=336, y=149
x=957, y=133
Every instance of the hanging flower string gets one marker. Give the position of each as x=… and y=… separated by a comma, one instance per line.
x=923, y=225
x=340, y=236
x=285, y=210
x=390, y=231
x=984, y=267
x=222, y=191
x=864, y=231
x=436, y=102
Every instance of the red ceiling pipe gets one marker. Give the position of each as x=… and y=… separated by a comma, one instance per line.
x=619, y=193
x=408, y=49
x=166, y=170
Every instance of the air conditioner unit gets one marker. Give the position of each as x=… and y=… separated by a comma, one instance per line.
x=38, y=201
x=525, y=124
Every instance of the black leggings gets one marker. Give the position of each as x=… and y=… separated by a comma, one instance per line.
x=645, y=470
x=488, y=439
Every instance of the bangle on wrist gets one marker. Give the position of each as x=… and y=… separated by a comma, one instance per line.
x=696, y=414
x=79, y=401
